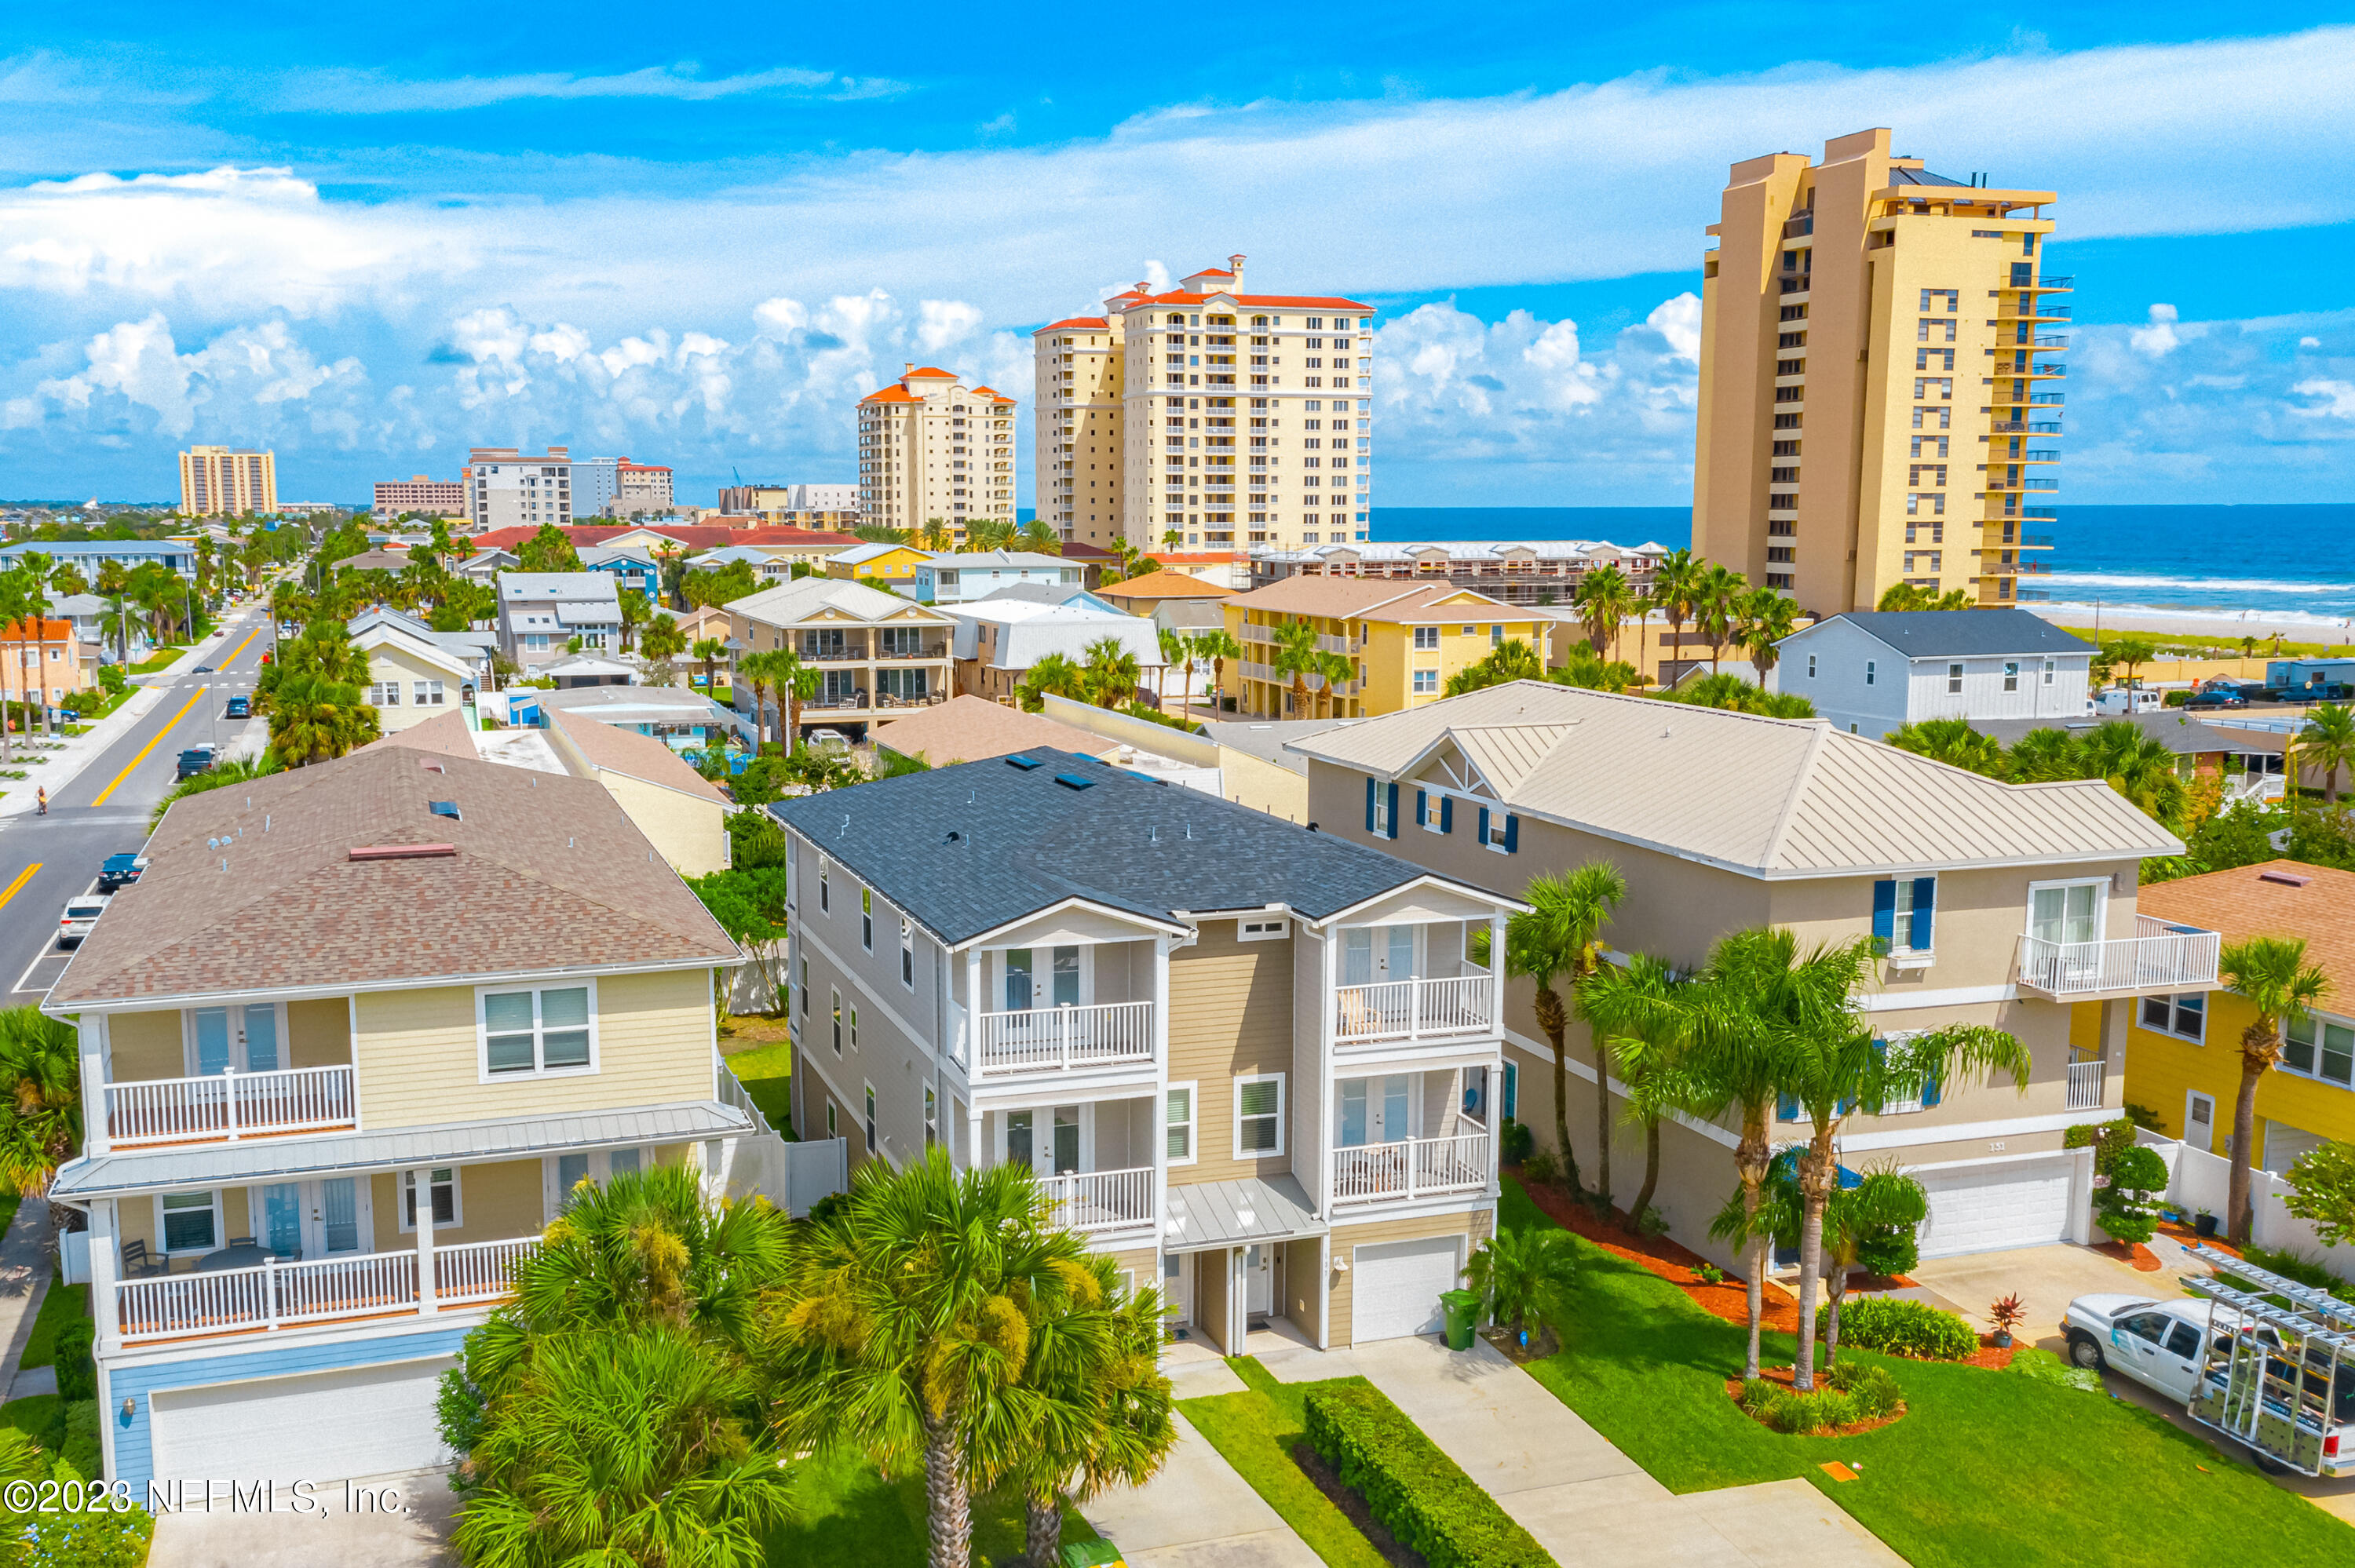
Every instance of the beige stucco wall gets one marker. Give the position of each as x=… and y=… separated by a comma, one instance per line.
x=1262, y=786
x=1229, y=1014
x=687, y=831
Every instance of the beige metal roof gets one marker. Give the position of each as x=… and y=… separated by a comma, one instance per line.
x=1776, y=797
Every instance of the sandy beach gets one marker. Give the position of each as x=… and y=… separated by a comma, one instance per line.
x=2221, y=625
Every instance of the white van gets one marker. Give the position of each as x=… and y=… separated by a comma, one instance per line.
x=2119, y=700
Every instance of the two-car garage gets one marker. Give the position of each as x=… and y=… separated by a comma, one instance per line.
x=2001, y=1204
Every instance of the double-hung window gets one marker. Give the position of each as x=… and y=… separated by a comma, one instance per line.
x=867, y=918
x=2184, y=1015
x=190, y=1221
x=1178, y=1117
x=1426, y=639
x=907, y=952
x=823, y=905
x=838, y=1020
x=428, y=693
x=385, y=694
x=1259, y=1116
x=547, y=1029
x=2012, y=674
x=1904, y=914
x=444, y=1183
x=1427, y=682
x=1954, y=679
x=2320, y=1047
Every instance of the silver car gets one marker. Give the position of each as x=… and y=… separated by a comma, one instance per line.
x=80, y=918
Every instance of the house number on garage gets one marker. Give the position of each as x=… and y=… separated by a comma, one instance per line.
x=1994, y=1149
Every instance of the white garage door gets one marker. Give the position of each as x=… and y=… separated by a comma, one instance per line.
x=1397, y=1285
x=318, y=1427
x=1987, y=1208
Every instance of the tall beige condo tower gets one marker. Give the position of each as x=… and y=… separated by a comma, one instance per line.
x=930, y=447
x=1077, y=439
x=217, y=481
x=1878, y=380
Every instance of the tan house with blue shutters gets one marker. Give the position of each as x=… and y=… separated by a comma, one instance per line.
x=2000, y=904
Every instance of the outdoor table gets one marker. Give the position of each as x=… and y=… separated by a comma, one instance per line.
x=232, y=1257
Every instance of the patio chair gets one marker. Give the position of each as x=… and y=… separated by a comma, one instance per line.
x=138, y=1265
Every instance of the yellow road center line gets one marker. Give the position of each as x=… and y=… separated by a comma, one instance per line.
x=23, y=877
x=143, y=750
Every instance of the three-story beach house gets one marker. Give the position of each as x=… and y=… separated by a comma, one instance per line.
x=1251, y=1061
x=1992, y=902
x=346, y=1048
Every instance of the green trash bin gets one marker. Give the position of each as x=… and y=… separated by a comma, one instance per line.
x=1463, y=1307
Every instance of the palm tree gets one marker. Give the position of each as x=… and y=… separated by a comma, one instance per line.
x=1768, y=616
x=937, y=536
x=636, y=612
x=2042, y=755
x=1718, y=600
x=662, y=641
x=1525, y=1278
x=1561, y=934
x=2130, y=654
x=1952, y=741
x=708, y=651
x=753, y=669
x=1092, y=1406
x=1833, y=1067
x=904, y=1328
x=1218, y=645
x=1172, y=537
x=1039, y=535
x=1052, y=675
x=1175, y=655
x=1294, y=653
x=1584, y=668
x=625, y=1445
x=1605, y=600
x=2327, y=741
x=1639, y=1010
x=1512, y=660
x=1676, y=586
x=2137, y=765
x=40, y=1098
x=1881, y=1202
x=2272, y=975
x=796, y=683
x=1111, y=672
x=315, y=719
x=1898, y=598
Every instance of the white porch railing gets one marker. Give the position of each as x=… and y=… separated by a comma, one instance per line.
x=229, y=1106
x=281, y=1294
x=1101, y=1200
x=2159, y=956
x=2085, y=1084
x=1412, y=1167
x=1411, y=1009
x=1039, y=1038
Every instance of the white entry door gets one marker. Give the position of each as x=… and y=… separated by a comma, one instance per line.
x=1988, y=1208
x=317, y=1426
x=1259, y=1280
x=1395, y=1287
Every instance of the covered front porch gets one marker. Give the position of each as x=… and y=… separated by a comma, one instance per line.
x=1240, y=1256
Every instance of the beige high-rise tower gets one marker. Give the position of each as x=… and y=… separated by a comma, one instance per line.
x=1876, y=380
x=931, y=449
x=215, y=481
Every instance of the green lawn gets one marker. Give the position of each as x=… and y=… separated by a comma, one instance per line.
x=1255, y=1431
x=157, y=661
x=847, y=1513
x=1986, y=1467
x=63, y=1301
x=41, y=1418
x=767, y=1074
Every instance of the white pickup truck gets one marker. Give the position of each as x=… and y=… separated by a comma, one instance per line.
x=2156, y=1343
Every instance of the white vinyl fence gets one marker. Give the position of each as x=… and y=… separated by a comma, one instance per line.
x=791, y=1175
x=2198, y=1179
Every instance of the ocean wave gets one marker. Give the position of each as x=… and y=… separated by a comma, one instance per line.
x=2218, y=586
x=2222, y=614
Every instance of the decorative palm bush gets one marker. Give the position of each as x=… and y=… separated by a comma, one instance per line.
x=1524, y=1277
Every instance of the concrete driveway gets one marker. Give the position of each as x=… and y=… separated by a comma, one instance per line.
x=384, y=1522
x=1197, y=1514
x=2047, y=1279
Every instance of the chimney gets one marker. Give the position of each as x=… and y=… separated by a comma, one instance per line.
x=1235, y=265
x=907, y=369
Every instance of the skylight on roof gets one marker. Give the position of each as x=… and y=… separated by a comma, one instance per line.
x=1024, y=762
x=444, y=809
x=1074, y=781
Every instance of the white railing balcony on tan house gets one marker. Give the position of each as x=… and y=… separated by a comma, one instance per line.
x=2162, y=956
x=1101, y=1200
x=1413, y=1168
x=292, y=1295
x=1054, y=1039
x=1412, y=1010
x=226, y=1106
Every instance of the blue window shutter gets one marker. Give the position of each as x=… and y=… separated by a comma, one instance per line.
x=1512, y=833
x=1370, y=802
x=1422, y=803
x=1846, y=1106
x=1393, y=810
x=1512, y=1089
x=1885, y=914
x=1447, y=813
x=1484, y=825
x=1925, y=898
x=1787, y=1108
x=1929, y=1093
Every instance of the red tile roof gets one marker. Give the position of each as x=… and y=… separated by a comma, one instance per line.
x=895, y=393
x=1247, y=302
x=992, y=394
x=931, y=372
x=1096, y=323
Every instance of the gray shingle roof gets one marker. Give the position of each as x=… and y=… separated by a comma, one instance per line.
x=1963, y=633
x=966, y=850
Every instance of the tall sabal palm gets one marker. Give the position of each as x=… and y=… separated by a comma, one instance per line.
x=1636, y=1010
x=1053, y=676
x=636, y=612
x=2327, y=741
x=1218, y=645
x=1952, y=741
x=708, y=651
x=1718, y=601
x=1092, y=1409
x=40, y=1098
x=1605, y=600
x=796, y=683
x=1111, y=672
x=1833, y=1067
x=2282, y=989
x=936, y=536
x=1334, y=671
x=1177, y=654
x=1295, y=656
x=905, y=1327
x=1560, y=935
x=1768, y=616
x=314, y=719
x=1883, y=1199
x=1676, y=588
x=753, y=669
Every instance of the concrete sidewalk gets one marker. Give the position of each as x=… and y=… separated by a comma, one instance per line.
x=76, y=752
x=24, y=1280
x=1584, y=1500
x=1197, y=1514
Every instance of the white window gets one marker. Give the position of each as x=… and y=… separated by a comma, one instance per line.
x=2065, y=913
x=2012, y=674
x=867, y=918
x=837, y=997
x=1262, y=930
x=822, y=904
x=560, y=1175
x=1867, y=672
x=804, y=987
x=1426, y=638
x=2320, y=1047
x=428, y=693
x=552, y=1029
x=1500, y=827
x=932, y=1115
x=384, y=694
x=1259, y=1116
x=1178, y=1121
x=2185, y=1016
x=1954, y=679
x=853, y=1028
x=1811, y=666
x=188, y=1222
x=446, y=1211
x=1427, y=682
x=2048, y=672
x=830, y=1131
x=907, y=952
x=871, y=1148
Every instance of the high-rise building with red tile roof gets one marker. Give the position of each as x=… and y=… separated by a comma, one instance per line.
x=932, y=449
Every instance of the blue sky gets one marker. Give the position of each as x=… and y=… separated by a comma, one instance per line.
x=697, y=235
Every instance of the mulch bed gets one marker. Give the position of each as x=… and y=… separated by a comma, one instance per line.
x=1783, y=1375
x=1345, y=1497
x=2139, y=1256
x=1542, y=1343
x=2190, y=1237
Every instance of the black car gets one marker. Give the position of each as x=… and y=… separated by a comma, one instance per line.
x=2217, y=699
x=240, y=707
x=196, y=760
x=120, y=871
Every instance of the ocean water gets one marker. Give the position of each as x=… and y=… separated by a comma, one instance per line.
x=2285, y=563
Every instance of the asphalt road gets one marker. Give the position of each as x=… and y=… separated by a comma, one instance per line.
x=103, y=810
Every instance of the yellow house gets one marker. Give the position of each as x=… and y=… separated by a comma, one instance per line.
x=894, y=565
x=411, y=680
x=1405, y=641
x=2183, y=1057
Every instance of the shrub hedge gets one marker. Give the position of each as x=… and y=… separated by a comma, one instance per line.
x=1901, y=1327
x=1417, y=1492
x=77, y=1371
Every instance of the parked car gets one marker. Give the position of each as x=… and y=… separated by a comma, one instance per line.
x=2156, y=1343
x=829, y=738
x=2220, y=698
x=203, y=670
x=80, y=917
x=195, y=760
x=120, y=871
x=240, y=707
